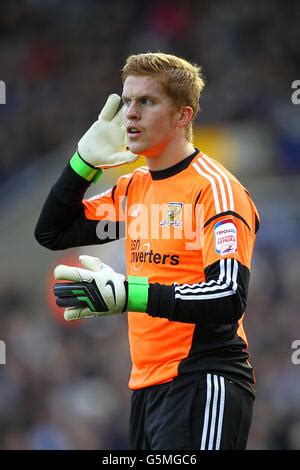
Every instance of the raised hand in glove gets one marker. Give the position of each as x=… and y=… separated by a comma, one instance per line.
x=94, y=292
x=104, y=145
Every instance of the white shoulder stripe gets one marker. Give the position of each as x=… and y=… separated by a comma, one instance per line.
x=129, y=175
x=220, y=183
x=217, y=175
x=228, y=184
x=141, y=169
x=213, y=185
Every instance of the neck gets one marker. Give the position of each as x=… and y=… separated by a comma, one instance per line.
x=171, y=155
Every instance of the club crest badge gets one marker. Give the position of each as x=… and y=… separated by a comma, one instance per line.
x=173, y=215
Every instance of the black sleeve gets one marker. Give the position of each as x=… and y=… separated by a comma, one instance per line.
x=62, y=223
x=220, y=299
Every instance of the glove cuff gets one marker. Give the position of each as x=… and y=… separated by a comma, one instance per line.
x=83, y=169
x=137, y=294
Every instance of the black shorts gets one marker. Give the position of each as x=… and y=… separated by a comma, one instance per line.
x=196, y=411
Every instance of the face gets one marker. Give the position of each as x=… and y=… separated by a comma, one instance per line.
x=150, y=118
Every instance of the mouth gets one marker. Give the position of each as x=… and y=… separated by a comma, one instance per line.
x=133, y=132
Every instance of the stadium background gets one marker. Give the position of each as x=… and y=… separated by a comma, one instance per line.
x=65, y=386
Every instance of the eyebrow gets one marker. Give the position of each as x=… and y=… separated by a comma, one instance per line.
x=142, y=97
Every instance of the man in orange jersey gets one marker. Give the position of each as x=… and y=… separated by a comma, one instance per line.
x=190, y=229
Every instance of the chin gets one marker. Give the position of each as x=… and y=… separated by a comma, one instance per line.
x=137, y=149
x=142, y=149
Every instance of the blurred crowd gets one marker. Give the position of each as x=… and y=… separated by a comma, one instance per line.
x=66, y=387
x=63, y=387
x=59, y=61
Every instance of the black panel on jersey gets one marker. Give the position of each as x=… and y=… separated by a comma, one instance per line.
x=218, y=348
x=162, y=301
x=62, y=223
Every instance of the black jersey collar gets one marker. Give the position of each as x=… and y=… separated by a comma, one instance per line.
x=173, y=170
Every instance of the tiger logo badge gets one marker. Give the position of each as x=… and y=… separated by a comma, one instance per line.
x=173, y=216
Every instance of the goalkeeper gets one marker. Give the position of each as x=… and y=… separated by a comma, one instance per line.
x=188, y=265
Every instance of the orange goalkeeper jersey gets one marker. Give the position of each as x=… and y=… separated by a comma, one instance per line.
x=191, y=230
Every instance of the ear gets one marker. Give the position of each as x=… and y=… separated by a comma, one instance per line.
x=185, y=116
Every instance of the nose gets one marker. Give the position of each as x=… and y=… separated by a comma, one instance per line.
x=132, y=111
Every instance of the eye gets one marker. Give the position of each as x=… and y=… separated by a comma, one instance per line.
x=146, y=101
x=126, y=101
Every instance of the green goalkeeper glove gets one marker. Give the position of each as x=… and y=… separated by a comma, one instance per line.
x=95, y=292
x=104, y=144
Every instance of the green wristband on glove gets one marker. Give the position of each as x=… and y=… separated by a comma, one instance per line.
x=137, y=294
x=85, y=170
